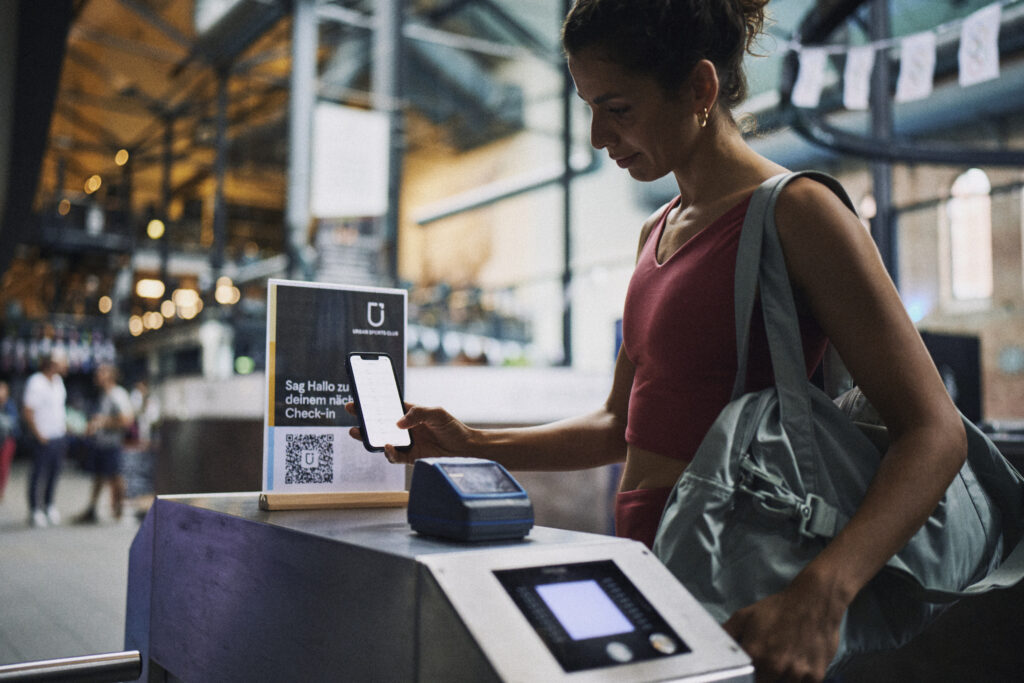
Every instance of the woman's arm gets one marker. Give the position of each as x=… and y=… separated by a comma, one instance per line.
x=590, y=440
x=836, y=270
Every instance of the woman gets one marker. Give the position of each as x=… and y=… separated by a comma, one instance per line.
x=661, y=78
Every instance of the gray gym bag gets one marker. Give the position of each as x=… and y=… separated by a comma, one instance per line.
x=783, y=469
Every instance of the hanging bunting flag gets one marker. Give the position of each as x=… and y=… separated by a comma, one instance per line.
x=811, y=79
x=979, y=46
x=917, y=67
x=857, y=76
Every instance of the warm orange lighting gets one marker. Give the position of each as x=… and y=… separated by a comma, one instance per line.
x=135, y=326
x=226, y=292
x=167, y=308
x=64, y=208
x=105, y=304
x=185, y=298
x=93, y=184
x=155, y=229
x=152, y=320
x=149, y=289
x=121, y=158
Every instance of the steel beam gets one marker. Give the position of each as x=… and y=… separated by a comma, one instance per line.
x=300, y=136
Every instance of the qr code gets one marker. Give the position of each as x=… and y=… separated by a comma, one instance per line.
x=309, y=458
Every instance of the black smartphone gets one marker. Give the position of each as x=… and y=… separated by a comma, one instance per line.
x=378, y=402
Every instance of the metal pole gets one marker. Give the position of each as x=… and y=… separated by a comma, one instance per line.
x=165, y=195
x=387, y=92
x=883, y=224
x=220, y=219
x=568, y=92
x=126, y=203
x=103, y=668
x=300, y=134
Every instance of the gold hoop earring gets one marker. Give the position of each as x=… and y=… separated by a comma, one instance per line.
x=702, y=118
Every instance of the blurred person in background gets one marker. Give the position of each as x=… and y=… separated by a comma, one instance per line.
x=139, y=458
x=147, y=412
x=43, y=407
x=108, y=428
x=9, y=432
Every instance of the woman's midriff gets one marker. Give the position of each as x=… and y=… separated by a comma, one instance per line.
x=646, y=483
x=647, y=470
x=638, y=513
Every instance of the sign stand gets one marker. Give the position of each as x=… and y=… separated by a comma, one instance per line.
x=325, y=501
x=309, y=459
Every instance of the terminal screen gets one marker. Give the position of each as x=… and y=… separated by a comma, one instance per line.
x=583, y=609
x=590, y=614
x=477, y=479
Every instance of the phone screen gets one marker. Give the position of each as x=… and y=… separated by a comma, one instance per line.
x=378, y=401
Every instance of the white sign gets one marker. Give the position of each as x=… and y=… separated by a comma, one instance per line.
x=979, y=46
x=311, y=329
x=350, y=162
x=917, y=67
x=811, y=79
x=860, y=61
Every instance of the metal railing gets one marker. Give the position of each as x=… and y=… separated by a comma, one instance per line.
x=111, y=667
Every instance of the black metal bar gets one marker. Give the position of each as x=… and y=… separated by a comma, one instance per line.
x=568, y=92
x=300, y=136
x=165, y=196
x=387, y=92
x=882, y=224
x=101, y=668
x=817, y=132
x=220, y=169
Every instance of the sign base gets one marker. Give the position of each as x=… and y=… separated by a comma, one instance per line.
x=327, y=501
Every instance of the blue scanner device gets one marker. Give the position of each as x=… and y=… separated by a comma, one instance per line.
x=467, y=499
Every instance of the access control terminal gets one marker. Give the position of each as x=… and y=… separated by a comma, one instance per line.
x=221, y=590
x=467, y=499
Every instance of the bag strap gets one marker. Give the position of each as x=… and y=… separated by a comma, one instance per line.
x=761, y=266
x=761, y=262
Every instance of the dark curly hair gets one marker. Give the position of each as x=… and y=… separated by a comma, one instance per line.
x=666, y=38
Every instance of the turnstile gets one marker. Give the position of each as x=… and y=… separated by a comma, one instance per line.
x=220, y=590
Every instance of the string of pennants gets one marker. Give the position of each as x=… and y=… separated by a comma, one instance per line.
x=978, y=60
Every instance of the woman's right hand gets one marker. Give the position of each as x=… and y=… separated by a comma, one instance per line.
x=435, y=434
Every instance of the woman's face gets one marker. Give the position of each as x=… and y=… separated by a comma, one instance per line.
x=644, y=130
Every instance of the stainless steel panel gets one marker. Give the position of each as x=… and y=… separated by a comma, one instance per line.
x=221, y=590
x=518, y=654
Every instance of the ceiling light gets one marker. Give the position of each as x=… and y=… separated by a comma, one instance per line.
x=155, y=229
x=149, y=289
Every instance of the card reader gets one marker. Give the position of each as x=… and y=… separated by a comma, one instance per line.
x=467, y=499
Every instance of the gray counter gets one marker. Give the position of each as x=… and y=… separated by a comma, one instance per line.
x=220, y=590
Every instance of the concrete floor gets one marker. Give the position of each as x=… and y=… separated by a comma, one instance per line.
x=62, y=589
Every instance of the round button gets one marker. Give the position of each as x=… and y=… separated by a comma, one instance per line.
x=620, y=652
x=663, y=644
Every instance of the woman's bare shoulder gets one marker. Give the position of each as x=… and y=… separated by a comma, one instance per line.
x=808, y=205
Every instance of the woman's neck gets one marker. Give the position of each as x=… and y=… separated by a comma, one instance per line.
x=723, y=165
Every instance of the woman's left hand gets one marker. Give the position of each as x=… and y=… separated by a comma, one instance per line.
x=790, y=636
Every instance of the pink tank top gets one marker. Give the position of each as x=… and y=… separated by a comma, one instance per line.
x=679, y=332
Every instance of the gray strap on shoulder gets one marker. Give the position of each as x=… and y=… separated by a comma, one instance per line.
x=759, y=255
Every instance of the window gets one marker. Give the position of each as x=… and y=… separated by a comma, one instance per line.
x=970, y=236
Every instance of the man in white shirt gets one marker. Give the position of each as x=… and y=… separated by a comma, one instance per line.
x=43, y=407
